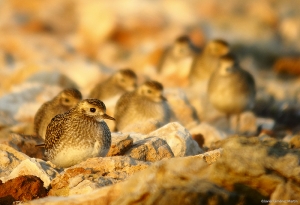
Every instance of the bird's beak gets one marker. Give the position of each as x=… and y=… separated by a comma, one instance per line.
x=106, y=116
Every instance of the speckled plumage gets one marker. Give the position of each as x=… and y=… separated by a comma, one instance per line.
x=61, y=103
x=78, y=134
x=120, y=82
x=177, y=58
x=231, y=89
x=207, y=61
x=144, y=103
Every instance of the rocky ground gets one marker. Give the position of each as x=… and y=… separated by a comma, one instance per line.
x=46, y=46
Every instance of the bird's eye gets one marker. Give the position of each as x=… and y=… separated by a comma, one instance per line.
x=67, y=100
x=93, y=109
x=149, y=91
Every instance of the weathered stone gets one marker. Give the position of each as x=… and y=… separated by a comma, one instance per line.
x=9, y=159
x=260, y=166
x=210, y=134
x=176, y=181
x=286, y=193
x=185, y=113
x=25, y=144
x=52, y=78
x=94, y=173
x=178, y=138
x=150, y=149
x=120, y=143
x=295, y=142
x=22, y=188
x=35, y=167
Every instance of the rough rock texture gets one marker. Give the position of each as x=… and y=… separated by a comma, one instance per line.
x=178, y=138
x=210, y=134
x=150, y=149
x=120, y=143
x=245, y=171
x=295, y=142
x=211, y=156
x=175, y=181
x=185, y=113
x=94, y=173
x=23, y=188
x=9, y=159
x=256, y=169
x=286, y=193
x=25, y=144
x=35, y=167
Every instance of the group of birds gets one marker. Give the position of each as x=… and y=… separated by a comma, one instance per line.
x=74, y=129
x=230, y=89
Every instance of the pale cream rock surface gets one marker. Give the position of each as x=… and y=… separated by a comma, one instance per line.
x=150, y=149
x=178, y=138
x=35, y=167
x=9, y=159
x=209, y=133
x=184, y=112
x=120, y=143
x=176, y=181
x=94, y=173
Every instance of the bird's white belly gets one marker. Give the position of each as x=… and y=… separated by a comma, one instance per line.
x=70, y=156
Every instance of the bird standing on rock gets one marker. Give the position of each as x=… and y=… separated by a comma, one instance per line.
x=146, y=102
x=78, y=134
x=207, y=61
x=120, y=82
x=231, y=89
x=64, y=101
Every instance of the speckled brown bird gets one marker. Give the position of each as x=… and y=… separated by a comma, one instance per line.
x=207, y=61
x=178, y=58
x=61, y=103
x=116, y=85
x=231, y=89
x=78, y=134
x=146, y=102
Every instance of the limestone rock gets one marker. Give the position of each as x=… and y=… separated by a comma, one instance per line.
x=25, y=144
x=286, y=193
x=9, y=159
x=265, y=123
x=150, y=149
x=295, y=142
x=94, y=173
x=35, y=167
x=185, y=113
x=176, y=181
x=22, y=188
x=52, y=78
x=210, y=134
x=211, y=156
x=120, y=143
x=178, y=138
x=256, y=166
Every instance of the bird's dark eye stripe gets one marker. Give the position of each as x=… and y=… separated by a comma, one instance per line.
x=93, y=109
